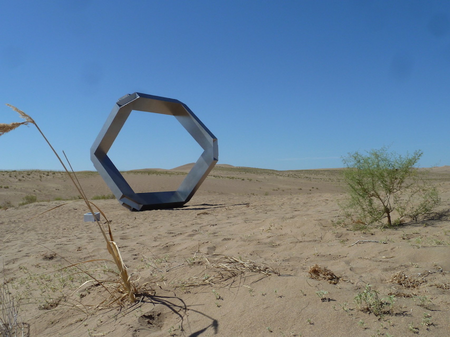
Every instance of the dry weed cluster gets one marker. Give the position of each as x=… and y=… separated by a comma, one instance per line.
x=225, y=268
x=406, y=281
x=10, y=324
x=317, y=272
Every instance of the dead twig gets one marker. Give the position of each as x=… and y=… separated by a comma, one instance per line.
x=364, y=241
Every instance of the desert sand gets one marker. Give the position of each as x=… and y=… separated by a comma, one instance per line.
x=254, y=253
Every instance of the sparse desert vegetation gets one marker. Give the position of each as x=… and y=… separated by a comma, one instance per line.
x=387, y=189
x=231, y=252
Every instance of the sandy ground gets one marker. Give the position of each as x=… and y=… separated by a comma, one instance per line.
x=254, y=253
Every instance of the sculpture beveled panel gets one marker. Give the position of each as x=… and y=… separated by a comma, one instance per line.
x=114, y=179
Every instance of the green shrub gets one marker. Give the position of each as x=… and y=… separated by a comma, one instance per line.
x=28, y=199
x=386, y=188
x=368, y=300
x=103, y=197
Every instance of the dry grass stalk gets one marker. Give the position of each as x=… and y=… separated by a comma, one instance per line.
x=22, y=114
x=110, y=244
x=9, y=314
x=4, y=128
x=93, y=278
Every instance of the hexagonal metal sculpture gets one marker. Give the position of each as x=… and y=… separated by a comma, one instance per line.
x=116, y=182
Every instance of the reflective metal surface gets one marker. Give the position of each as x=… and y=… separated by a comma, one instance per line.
x=116, y=182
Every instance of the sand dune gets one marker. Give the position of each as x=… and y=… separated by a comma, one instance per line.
x=254, y=253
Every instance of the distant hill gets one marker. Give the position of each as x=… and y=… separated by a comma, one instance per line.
x=189, y=166
x=185, y=167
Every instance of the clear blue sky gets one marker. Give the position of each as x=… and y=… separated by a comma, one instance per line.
x=282, y=84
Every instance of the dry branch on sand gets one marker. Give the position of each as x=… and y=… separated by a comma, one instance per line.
x=237, y=265
x=225, y=268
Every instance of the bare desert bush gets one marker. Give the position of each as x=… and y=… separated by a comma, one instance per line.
x=386, y=188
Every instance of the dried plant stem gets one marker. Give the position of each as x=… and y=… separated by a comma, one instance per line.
x=112, y=247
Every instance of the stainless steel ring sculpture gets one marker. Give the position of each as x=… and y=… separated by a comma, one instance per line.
x=114, y=179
